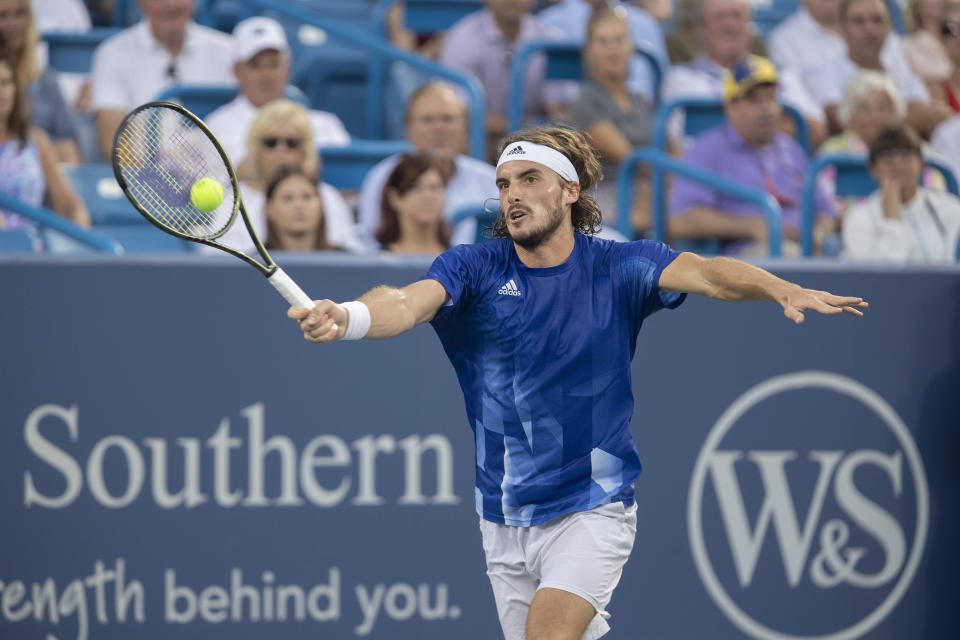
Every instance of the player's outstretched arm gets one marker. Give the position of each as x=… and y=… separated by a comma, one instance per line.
x=736, y=281
x=392, y=311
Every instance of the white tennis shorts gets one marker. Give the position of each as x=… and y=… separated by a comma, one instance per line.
x=581, y=552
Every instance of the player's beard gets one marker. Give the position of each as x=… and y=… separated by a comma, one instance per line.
x=537, y=236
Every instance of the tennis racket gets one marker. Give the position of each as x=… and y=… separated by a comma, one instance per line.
x=159, y=152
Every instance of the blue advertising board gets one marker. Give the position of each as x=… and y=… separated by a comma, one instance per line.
x=176, y=461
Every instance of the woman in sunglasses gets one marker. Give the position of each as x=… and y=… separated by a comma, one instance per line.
x=280, y=137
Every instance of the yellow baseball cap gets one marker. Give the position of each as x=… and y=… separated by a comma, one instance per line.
x=745, y=75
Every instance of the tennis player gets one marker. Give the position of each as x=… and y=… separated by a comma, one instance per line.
x=541, y=325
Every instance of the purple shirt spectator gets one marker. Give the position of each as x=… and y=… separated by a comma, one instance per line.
x=778, y=168
x=475, y=45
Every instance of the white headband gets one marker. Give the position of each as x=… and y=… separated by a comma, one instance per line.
x=550, y=158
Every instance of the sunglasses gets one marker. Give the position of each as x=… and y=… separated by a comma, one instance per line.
x=950, y=29
x=289, y=143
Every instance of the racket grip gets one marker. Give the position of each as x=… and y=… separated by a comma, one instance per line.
x=289, y=289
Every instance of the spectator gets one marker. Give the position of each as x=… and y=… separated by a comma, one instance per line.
x=947, y=91
x=614, y=118
x=18, y=42
x=495, y=35
x=28, y=164
x=571, y=17
x=684, y=42
x=725, y=32
x=280, y=136
x=436, y=121
x=870, y=104
x=749, y=150
x=865, y=26
x=411, y=218
x=924, y=46
x=164, y=49
x=262, y=68
x=901, y=221
x=294, y=212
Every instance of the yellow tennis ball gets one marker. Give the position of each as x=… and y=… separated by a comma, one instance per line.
x=206, y=194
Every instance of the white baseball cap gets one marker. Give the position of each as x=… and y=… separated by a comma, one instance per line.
x=253, y=35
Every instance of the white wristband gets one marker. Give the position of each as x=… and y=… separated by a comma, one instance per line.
x=358, y=321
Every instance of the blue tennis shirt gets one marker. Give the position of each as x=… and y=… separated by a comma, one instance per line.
x=543, y=358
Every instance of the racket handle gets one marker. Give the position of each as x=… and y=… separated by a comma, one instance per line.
x=289, y=289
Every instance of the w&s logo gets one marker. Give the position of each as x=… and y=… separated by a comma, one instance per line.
x=808, y=492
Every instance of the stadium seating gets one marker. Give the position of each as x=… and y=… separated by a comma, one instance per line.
x=345, y=167
x=144, y=238
x=663, y=163
x=852, y=180
x=97, y=186
x=15, y=241
x=426, y=17
x=73, y=52
x=563, y=63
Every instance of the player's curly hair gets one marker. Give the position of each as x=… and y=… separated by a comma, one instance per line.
x=585, y=212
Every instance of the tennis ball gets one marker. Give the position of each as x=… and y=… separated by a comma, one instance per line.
x=206, y=194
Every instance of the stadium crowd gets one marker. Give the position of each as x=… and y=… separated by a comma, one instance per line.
x=789, y=81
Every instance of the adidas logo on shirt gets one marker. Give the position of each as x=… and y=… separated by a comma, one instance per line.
x=514, y=152
x=509, y=289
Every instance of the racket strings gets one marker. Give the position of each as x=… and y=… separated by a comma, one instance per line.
x=161, y=153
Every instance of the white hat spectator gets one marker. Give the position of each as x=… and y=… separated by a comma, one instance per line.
x=253, y=35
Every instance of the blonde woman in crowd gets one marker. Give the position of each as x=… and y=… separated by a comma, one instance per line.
x=279, y=137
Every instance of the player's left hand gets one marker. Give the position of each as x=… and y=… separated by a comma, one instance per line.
x=797, y=300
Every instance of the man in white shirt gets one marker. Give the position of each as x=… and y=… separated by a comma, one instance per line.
x=865, y=28
x=725, y=32
x=901, y=221
x=139, y=63
x=261, y=57
x=436, y=121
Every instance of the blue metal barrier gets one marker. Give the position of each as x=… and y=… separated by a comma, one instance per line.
x=384, y=50
x=564, y=62
x=485, y=218
x=169, y=470
x=48, y=218
x=661, y=161
x=853, y=179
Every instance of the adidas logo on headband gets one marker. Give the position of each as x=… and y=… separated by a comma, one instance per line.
x=548, y=157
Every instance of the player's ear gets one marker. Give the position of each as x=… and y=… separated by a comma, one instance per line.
x=571, y=192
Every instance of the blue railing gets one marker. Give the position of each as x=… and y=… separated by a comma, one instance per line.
x=376, y=83
x=659, y=160
x=47, y=218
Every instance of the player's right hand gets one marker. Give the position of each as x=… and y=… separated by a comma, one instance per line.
x=326, y=322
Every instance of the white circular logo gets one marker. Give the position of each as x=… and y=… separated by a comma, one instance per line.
x=828, y=568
